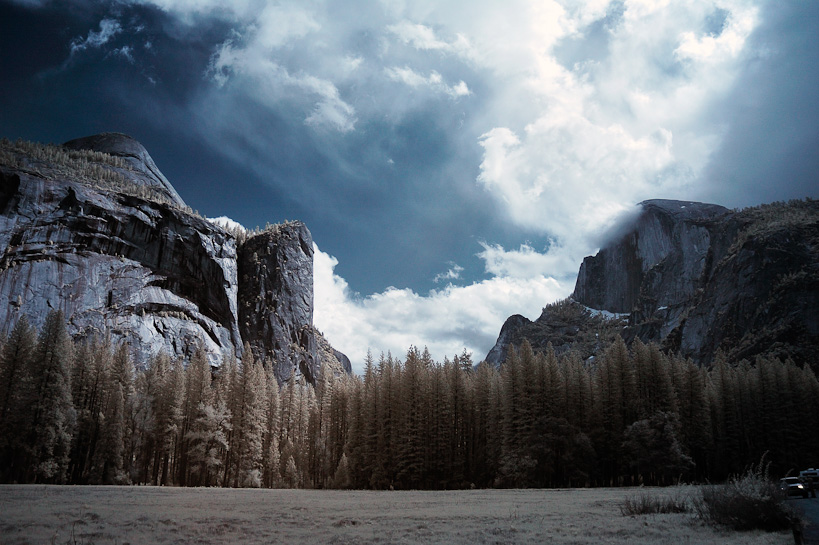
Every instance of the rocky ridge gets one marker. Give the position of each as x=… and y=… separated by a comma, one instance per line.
x=700, y=280
x=95, y=229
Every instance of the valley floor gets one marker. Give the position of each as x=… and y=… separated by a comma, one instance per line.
x=130, y=515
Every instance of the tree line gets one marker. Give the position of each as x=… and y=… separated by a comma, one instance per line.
x=85, y=413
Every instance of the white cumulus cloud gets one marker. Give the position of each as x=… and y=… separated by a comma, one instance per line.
x=447, y=321
x=600, y=134
x=526, y=262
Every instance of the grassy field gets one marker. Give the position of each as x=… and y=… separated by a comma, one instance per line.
x=135, y=515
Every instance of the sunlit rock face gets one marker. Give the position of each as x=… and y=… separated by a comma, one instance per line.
x=128, y=257
x=701, y=279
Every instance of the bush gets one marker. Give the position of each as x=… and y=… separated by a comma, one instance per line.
x=751, y=501
x=645, y=503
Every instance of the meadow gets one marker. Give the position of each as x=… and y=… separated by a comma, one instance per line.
x=145, y=514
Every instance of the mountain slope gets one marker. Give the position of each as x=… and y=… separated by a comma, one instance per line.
x=95, y=229
x=700, y=279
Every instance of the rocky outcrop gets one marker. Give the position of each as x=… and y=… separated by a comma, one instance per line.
x=138, y=163
x=700, y=279
x=564, y=325
x=665, y=252
x=276, y=298
x=79, y=232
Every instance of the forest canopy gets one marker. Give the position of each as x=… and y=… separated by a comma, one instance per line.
x=86, y=412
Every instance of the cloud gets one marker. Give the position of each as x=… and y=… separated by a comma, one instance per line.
x=447, y=321
x=30, y=3
x=95, y=39
x=126, y=52
x=602, y=134
x=454, y=273
x=767, y=150
x=227, y=223
x=434, y=81
x=717, y=49
x=270, y=83
x=423, y=37
x=528, y=263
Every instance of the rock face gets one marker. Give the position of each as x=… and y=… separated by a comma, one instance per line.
x=565, y=325
x=699, y=279
x=141, y=166
x=141, y=266
x=276, y=298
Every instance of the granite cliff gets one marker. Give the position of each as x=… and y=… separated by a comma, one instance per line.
x=698, y=279
x=92, y=227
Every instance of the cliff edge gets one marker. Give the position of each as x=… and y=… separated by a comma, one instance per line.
x=94, y=228
x=700, y=279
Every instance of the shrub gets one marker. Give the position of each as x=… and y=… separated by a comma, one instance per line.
x=751, y=501
x=645, y=503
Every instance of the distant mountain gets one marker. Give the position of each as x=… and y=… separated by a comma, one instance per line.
x=93, y=227
x=698, y=279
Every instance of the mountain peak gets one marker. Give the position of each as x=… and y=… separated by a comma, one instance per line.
x=134, y=153
x=685, y=210
x=700, y=279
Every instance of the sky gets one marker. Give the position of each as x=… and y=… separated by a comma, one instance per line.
x=454, y=161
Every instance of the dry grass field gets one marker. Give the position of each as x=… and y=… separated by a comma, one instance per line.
x=136, y=515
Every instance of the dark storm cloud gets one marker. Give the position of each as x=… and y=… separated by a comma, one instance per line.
x=389, y=165
x=771, y=148
x=363, y=155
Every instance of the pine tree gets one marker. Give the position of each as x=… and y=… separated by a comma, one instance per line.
x=167, y=415
x=410, y=448
x=726, y=417
x=15, y=385
x=198, y=394
x=694, y=412
x=53, y=415
x=15, y=361
x=516, y=463
x=483, y=429
x=108, y=454
x=459, y=395
x=291, y=473
x=369, y=415
x=384, y=468
x=438, y=415
x=271, y=465
x=356, y=434
x=338, y=421
x=249, y=422
x=122, y=371
x=615, y=390
x=228, y=377
x=342, y=479
x=655, y=389
x=207, y=442
x=577, y=403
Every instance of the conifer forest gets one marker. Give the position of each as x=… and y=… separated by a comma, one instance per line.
x=88, y=413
